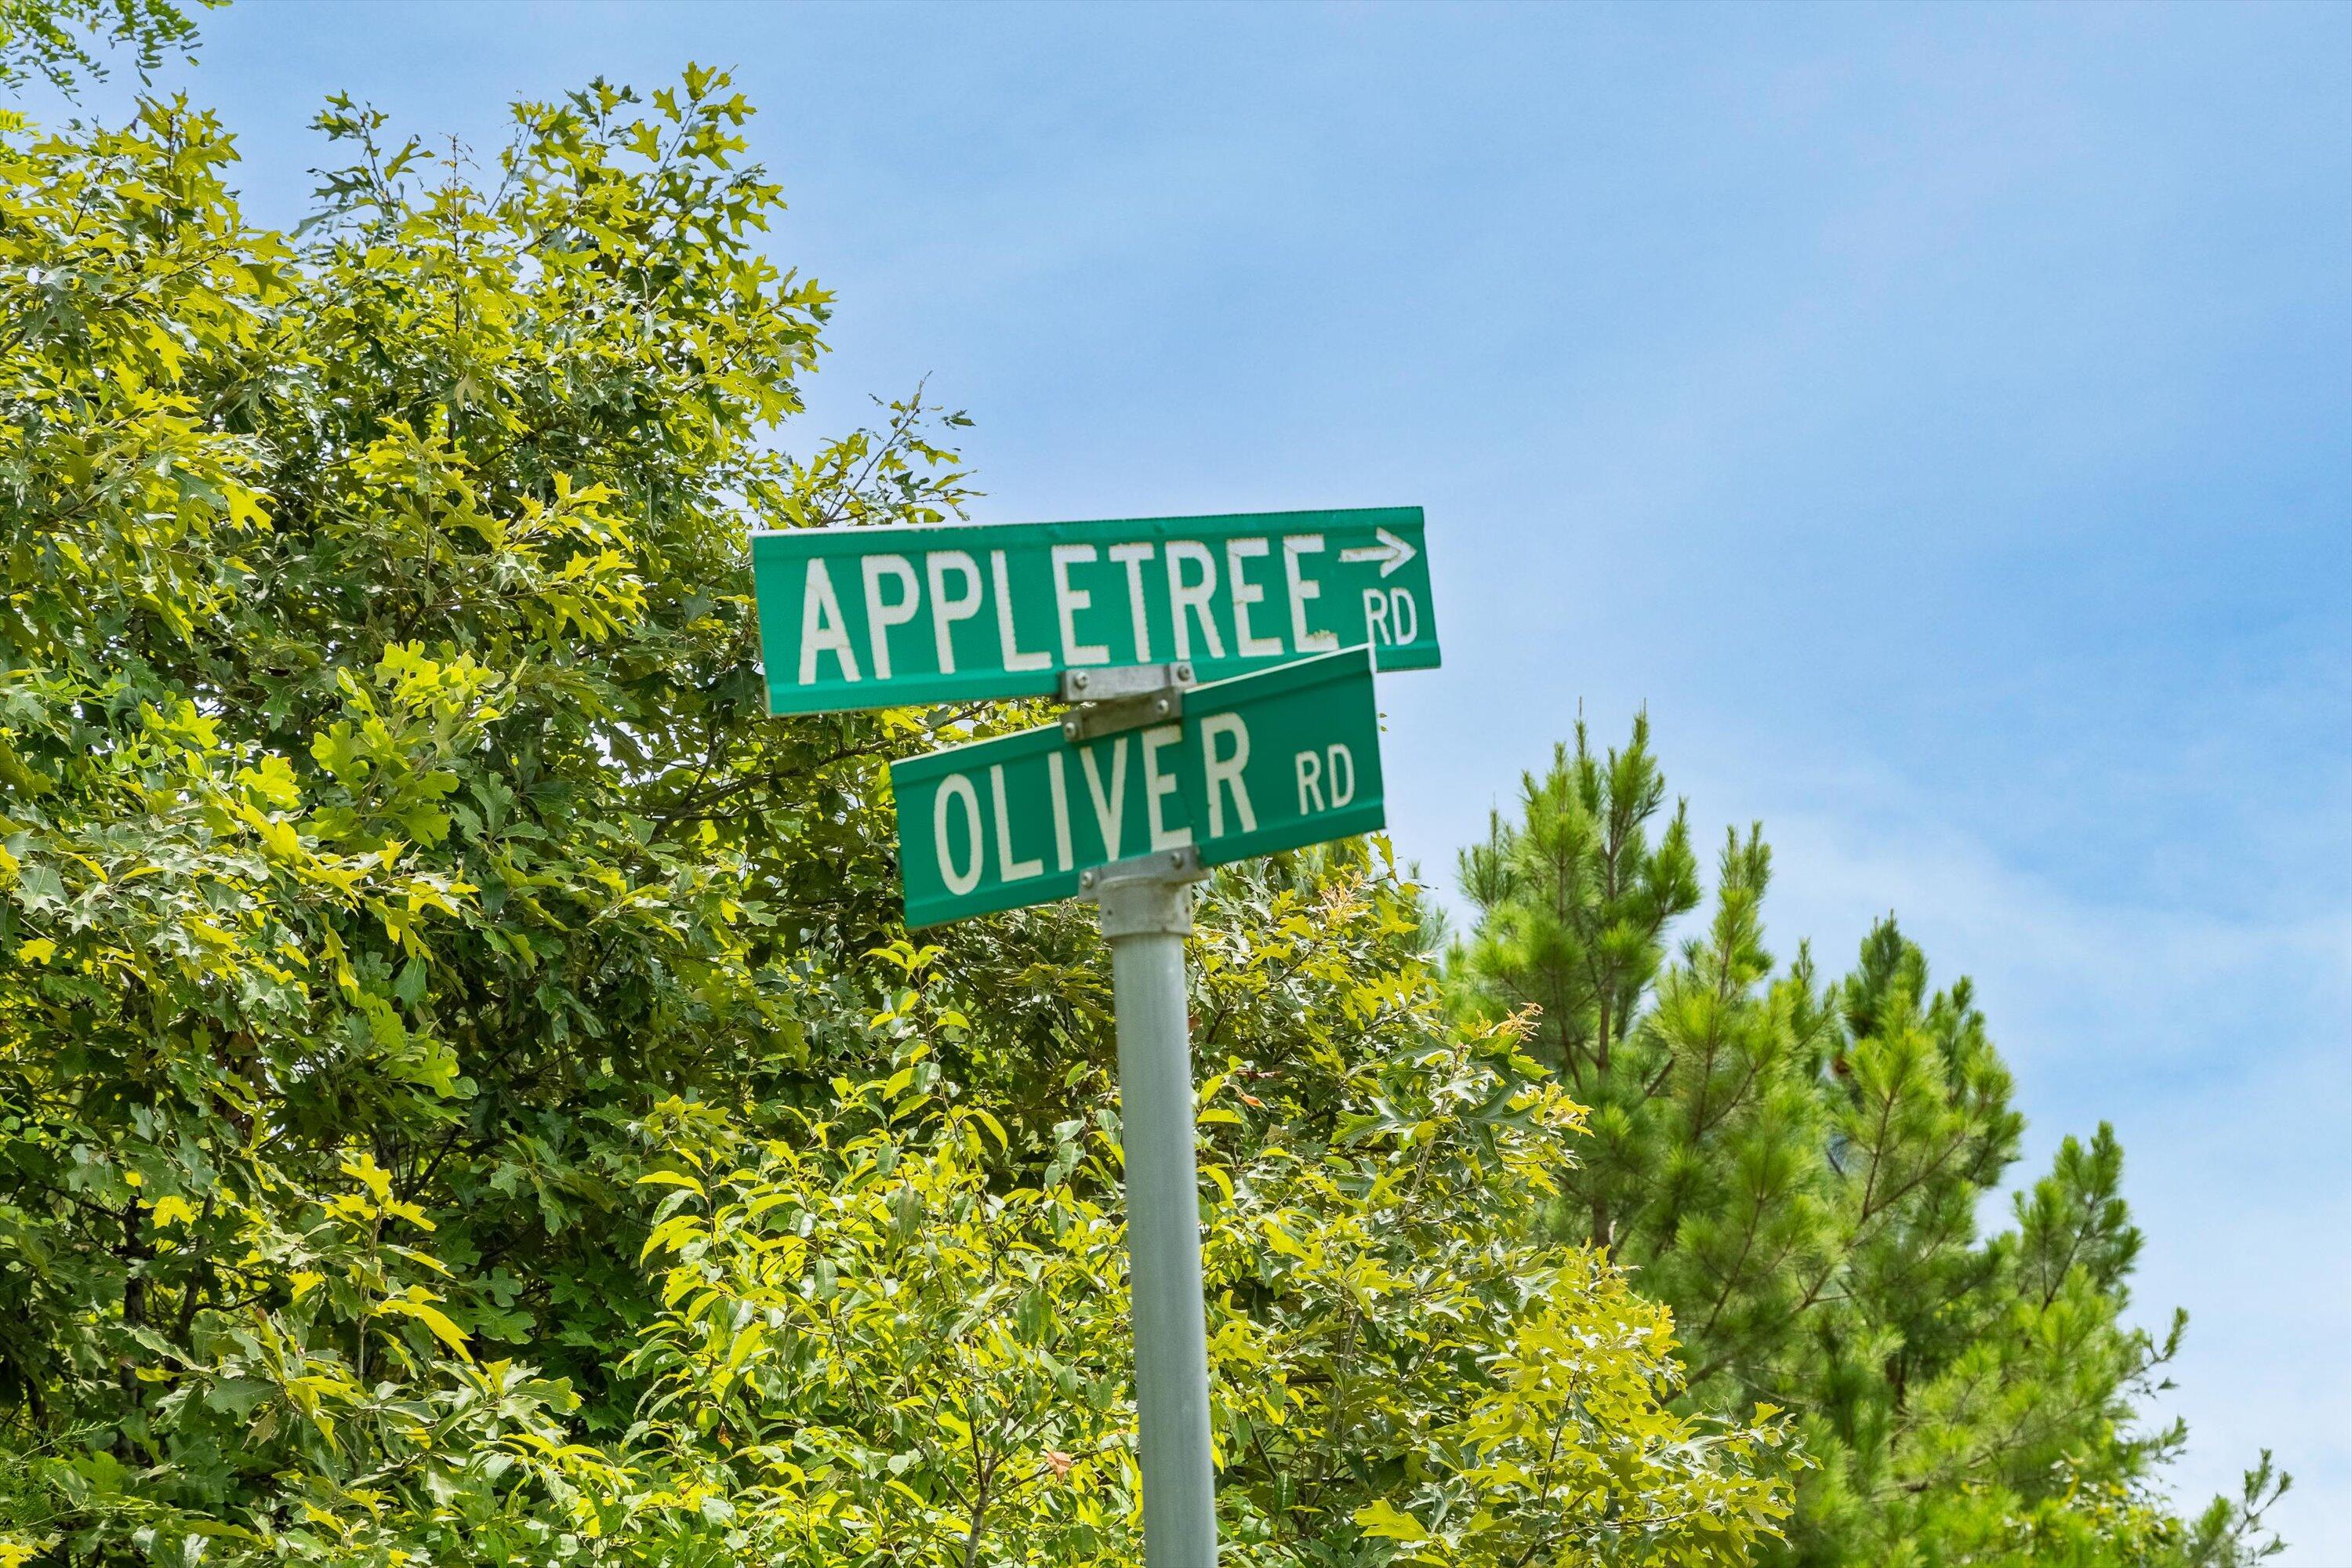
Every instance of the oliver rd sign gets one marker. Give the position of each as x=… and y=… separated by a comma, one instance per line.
x=1252, y=765
x=871, y=618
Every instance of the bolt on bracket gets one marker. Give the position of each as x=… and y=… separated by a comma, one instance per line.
x=1179, y=865
x=1110, y=701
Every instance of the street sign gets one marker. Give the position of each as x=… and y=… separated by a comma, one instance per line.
x=873, y=617
x=1146, y=781
x=1253, y=765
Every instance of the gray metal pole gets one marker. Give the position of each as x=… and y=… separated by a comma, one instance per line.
x=1146, y=910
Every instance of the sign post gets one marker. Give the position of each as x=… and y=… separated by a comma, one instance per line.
x=1150, y=779
x=1191, y=777
x=1146, y=912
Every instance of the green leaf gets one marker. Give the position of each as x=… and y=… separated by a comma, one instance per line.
x=1381, y=1518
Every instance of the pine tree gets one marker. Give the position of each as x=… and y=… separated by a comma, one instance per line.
x=1795, y=1165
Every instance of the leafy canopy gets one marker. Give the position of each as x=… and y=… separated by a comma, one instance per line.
x=54, y=40
x=465, y=1093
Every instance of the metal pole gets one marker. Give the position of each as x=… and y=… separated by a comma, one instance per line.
x=1146, y=910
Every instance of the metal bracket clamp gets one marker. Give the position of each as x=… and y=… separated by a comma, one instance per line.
x=1110, y=701
x=1145, y=893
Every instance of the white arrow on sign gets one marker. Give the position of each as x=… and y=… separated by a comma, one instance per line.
x=1391, y=551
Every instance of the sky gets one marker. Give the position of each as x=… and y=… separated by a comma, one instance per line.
x=1939, y=419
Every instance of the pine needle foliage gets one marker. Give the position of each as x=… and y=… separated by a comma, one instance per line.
x=1796, y=1166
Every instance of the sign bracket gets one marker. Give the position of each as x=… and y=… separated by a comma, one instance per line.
x=1101, y=884
x=1109, y=700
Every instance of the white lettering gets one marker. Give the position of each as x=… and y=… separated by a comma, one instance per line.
x=880, y=617
x=1303, y=588
x=946, y=611
x=1158, y=786
x=1014, y=660
x=1014, y=871
x=1195, y=596
x=1225, y=772
x=1376, y=616
x=955, y=787
x=1342, y=770
x=1069, y=601
x=1405, y=616
x=1133, y=556
x=1060, y=792
x=822, y=627
x=1245, y=593
x=1107, y=803
x=1310, y=781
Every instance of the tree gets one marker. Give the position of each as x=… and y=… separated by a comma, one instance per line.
x=404, y=896
x=1795, y=1167
x=907, y=1358
x=367, y=598
x=52, y=39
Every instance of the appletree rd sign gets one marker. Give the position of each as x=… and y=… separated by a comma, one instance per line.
x=873, y=617
x=1255, y=764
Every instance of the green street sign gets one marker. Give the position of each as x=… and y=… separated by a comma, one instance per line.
x=874, y=617
x=1255, y=764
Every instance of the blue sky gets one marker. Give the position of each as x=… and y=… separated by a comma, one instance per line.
x=1940, y=418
